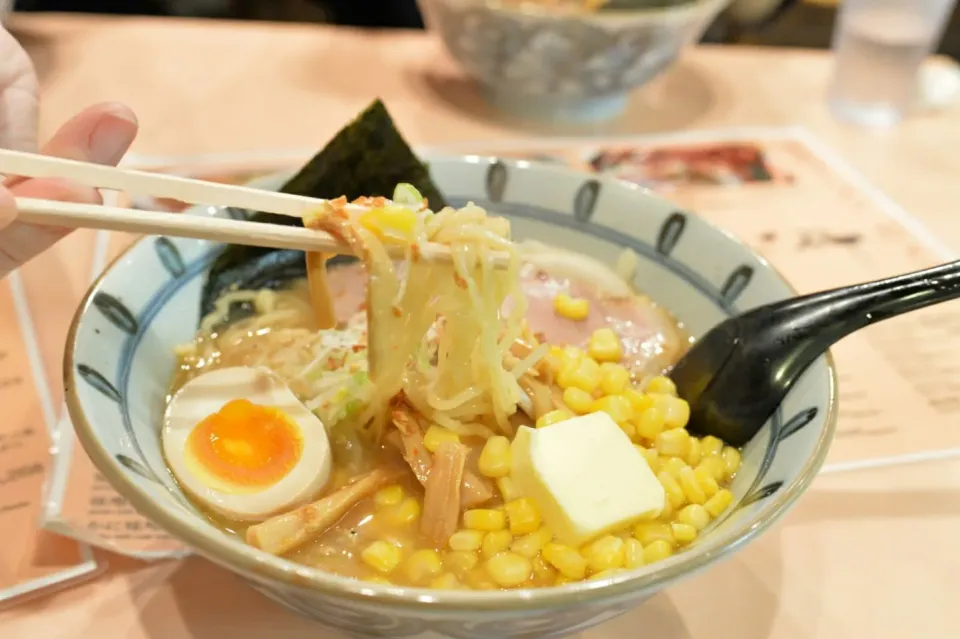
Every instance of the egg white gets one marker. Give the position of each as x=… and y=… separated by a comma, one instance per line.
x=205, y=395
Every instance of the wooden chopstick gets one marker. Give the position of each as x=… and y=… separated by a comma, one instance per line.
x=227, y=230
x=154, y=184
x=111, y=218
x=68, y=214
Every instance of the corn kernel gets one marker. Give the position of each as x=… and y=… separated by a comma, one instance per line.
x=719, y=502
x=672, y=488
x=691, y=487
x=494, y=459
x=460, y=562
x=673, y=443
x=565, y=559
x=529, y=545
x=423, y=565
x=711, y=445
x=714, y=466
x=616, y=406
x=437, y=435
x=406, y=512
x=579, y=401
x=674, y=466
x=553, y=417
x=683, y=533
x=524, y=516
x=640, y=401
x=629, y=430
x=509, y=569
x=615, y=380
x=650, y=423
x=647, y=533
x=731, y=461
x=632, y=554
x=508, y=489
x=571, y=356
x=378, y=579
x=662, y=386
x=695, y=453
x=388, y=496
x=543, y=570
x=707, y=482
x=605, y=346
x=585, y=375
x=382, y=556
x=392, y=221
x=485, y=519
x=652, y=457
x=466, y=540
x=676, y=411
x=495, y=541
x=695, y=515
x=446, y=581
x=573, y=308
x=657, y=551
x=605, y=553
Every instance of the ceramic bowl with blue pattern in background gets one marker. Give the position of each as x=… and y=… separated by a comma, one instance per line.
x=120, y=359
x=538, y=62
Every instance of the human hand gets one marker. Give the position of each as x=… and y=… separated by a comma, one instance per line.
x=101, y=134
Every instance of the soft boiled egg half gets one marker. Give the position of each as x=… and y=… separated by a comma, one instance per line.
x=242, y=444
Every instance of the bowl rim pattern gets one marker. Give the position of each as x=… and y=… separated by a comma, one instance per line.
x=255, y=562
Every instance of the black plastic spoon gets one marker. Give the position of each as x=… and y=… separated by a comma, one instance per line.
x=737, y=374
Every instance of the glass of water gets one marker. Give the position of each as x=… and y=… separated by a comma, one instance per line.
x=879, y=46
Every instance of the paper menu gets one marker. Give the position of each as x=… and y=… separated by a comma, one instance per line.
x=822, y=225
x=31, y=559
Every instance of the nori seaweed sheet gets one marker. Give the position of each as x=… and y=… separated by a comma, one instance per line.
x=367, y=157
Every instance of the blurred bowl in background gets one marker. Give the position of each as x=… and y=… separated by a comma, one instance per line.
x=538, y=61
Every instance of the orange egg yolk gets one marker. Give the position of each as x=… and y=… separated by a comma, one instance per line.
x=247, y=444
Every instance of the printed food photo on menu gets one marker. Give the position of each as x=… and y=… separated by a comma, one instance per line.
x=709, y=164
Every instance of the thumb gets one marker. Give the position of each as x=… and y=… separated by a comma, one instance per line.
x=101, y=134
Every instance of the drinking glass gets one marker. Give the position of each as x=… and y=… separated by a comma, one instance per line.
x=879, y=46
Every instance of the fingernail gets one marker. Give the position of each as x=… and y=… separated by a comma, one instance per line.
x=112, y=136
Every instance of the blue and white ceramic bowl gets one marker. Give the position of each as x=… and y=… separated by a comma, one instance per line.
x=537, y=62
x=119, y=360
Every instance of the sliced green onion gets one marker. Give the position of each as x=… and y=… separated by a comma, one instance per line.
x=407, y=194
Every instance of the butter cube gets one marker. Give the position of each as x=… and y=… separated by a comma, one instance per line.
x=586, y=476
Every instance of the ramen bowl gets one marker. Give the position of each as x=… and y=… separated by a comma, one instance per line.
x=536, y=61
x=120, y=359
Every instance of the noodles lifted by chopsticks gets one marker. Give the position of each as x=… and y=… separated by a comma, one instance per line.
x=435, y=329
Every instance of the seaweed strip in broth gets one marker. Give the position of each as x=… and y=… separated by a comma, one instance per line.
x=367, y=157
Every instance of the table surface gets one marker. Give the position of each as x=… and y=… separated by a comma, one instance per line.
x=866, y=554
